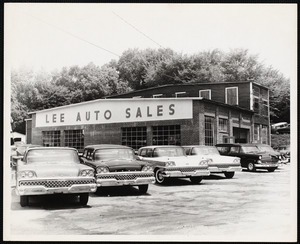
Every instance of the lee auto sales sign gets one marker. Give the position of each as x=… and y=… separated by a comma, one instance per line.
x=105, y=111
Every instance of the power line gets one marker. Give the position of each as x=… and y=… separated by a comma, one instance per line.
x=137, y=29
x=75, y=36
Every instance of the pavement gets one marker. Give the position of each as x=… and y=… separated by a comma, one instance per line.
x=252, y=206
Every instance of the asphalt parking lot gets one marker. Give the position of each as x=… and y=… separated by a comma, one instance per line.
x=250, y=206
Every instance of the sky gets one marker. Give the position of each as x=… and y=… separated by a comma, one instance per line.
x=51, y=36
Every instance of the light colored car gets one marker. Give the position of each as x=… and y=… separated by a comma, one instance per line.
x=216, y=162
x=117, y=165
x=53, y=170
x=171, y=161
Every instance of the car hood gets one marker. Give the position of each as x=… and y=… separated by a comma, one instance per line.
x=121, y=164
x=54, y=169
x=219, y=159
x=180, y=161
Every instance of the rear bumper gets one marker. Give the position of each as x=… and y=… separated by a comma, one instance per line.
x=180, y=174
x=216, y=169
x=125, y=178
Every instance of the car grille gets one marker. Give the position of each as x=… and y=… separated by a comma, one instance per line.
x=185, y=169
x=55, y=183
x=124, y=176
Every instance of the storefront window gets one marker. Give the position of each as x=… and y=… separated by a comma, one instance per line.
x=223, y=125
x=166, y=135
x=134, y=137
x=51, y=138
x=209, y=131
x=74, y=138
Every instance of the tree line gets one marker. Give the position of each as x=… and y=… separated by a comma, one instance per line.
x=138, y=69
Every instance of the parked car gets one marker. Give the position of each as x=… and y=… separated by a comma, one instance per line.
x=281, y=127
x=264, y=148
x=251, y=157
x=284, y=150
x=284, y=130
x=53, y=170
x=171, y=161
x=216, y=162
x=117, y=165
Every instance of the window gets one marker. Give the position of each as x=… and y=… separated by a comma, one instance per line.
x=264, y=134
x=51, y=138
x=134, y=137
x=223, y=150
x=231, y=95
x=256, y=132
x=209, y=131
x=205, y=94
x=234, y=149
x=166, y=135
x=223, y=125
x=74, y=138
x=256, y=104
x=265, y=108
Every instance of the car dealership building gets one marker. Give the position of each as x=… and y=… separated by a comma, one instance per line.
x=203, y=113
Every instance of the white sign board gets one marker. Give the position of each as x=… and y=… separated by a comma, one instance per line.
x=107, y=111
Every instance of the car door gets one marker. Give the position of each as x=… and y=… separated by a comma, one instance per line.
x=236, y=151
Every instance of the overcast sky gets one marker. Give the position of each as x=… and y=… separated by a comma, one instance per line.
x=51, y=36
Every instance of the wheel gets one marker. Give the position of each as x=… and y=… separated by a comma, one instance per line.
x=83, y=198
x=271, y=170
x=229, y=175
x=196, y=180
x=251, y=167
x=24, y=200
x=143, y=189
x=159, y=178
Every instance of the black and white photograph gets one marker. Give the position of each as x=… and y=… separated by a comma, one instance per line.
x=150, y=122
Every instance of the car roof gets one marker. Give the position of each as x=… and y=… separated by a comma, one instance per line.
x=56, y=148
x=235, y=145
x=197, y=146
x=160, y=146
x=106, y=146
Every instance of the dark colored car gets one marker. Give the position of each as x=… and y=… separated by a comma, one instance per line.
x=251, y=157
x=171, y=161
x=117, y=165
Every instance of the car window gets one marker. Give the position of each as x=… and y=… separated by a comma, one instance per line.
x=85, y=153
x=235, y=149
x=114, y=153
x=252, y=149
x=52, y=156
x=149, y=152
x=205, y=151
x=187, y=150
x=143, y=152
x=168, y=152
x=223, y=149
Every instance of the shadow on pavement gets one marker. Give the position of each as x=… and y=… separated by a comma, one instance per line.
x=51, y=202
x=117, y=191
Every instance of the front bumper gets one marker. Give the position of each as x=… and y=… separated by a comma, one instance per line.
x=55, y=186
x=185, y=172
x=220, y=169
x=125, y=178
x=266, y=166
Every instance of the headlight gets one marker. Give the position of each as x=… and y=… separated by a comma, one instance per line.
x=203, y=162
x=259, y=157
x=170, y=163
x=87, y=172
x=236, y=161
x=27, y=174
x=102, y=169
x=147, y=168
x=209, y=161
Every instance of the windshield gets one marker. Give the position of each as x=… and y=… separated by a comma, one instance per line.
x=205, y=151
x=65, y=156
x=252, y=149
x=168, y=152
x=114, y=153
x=265, y=148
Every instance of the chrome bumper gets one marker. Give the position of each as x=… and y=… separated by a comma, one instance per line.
x=266, y=166
x=125, y=178
x=215, y=169
x=36, y=187
x=178, y=174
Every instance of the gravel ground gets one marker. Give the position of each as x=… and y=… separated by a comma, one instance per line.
x=253, y=206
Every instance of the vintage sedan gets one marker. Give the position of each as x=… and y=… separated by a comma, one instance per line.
x=267, y=149
x=171, y=161
x=251, y=157
x=216, y=162
x=117, y=165
x=53, y=170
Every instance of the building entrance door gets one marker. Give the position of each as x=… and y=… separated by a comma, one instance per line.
x=241, y=135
